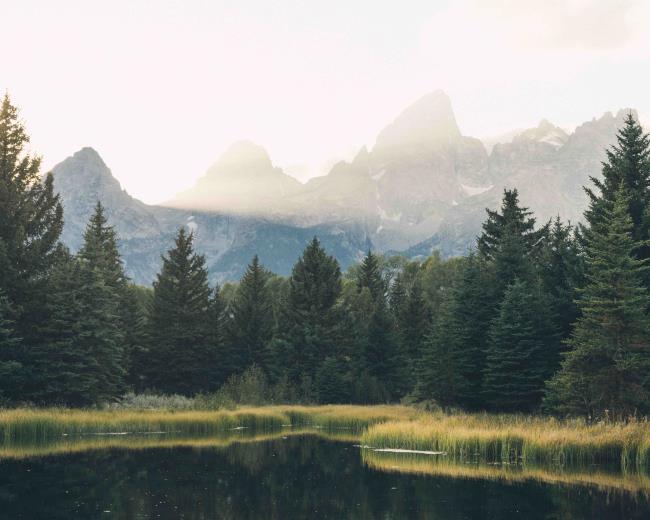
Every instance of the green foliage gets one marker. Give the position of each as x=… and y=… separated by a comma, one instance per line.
x=520, y=338
x=80, y=362
x=9, y=343
x=561, y=271
x=608, y=363
x=474, y=307
x=182, y=359
x=478, y=332
x=31, y=220
x=413, y=323
x=509, y=240
x=383, y=357
x=251, y=324
x=441, y=373
x=369, y=276
x=332, y=386
x=627, y=165
x=311, y=330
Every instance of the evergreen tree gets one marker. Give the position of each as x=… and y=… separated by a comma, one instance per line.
x=561, y=272
x=473, y=308
x=80, y=361
x=519, y=337
x=332, y=386
x=608, y=363
x=311, y=329
x=370, y=276
x=397, y=297
x=251, y=326
x=100, y=250
x=31, y=220
x=179, y=322
x=133, y=314
x=509, y=239
x=9, y=343
x=441, y=370
x=383, y=359
x=628, y=165
x=414, y=324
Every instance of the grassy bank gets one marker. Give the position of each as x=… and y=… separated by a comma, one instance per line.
x=463, y=437
x=502, y=438
x=36, y=424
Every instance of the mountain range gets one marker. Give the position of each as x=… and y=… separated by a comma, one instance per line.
x=423, y=186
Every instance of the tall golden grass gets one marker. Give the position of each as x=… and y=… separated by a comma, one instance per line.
x=466, y=437
x=35, y=424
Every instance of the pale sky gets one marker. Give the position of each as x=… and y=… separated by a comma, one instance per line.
x=160, y=88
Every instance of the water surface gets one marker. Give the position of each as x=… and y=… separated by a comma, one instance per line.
x=291, y=476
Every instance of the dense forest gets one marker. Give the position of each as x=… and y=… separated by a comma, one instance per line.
x=538, y=317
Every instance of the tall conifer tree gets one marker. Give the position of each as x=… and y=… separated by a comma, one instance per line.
x=179, y=322
x=31, y=220
x=251, y=326
x=311, y=330
x=607, y=366
x=519, y=340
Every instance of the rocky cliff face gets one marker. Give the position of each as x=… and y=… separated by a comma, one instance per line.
x=422, y=186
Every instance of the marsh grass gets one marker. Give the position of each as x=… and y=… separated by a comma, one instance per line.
x=35, y=424
x=353, y=418
x=535, y=440
x=39, y=424
x=463, y=437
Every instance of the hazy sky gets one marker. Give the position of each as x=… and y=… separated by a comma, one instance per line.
x=161, y=88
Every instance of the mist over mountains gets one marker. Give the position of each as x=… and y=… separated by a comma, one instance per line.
x=423, y=186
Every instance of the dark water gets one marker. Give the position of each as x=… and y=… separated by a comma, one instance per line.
x=296, y=477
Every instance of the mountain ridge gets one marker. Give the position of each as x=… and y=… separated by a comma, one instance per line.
x=422, y=186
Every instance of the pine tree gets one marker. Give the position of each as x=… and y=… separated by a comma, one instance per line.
x=9, y=343
x=251, y=326
x=509, y=239
x=473, y=308
x=133, y=314
x=608, y=363
x=397, y=297
x=332, y=386
x=80, y=361
x=179, y=322
x=217, y=351
x=561, y=272
x=441, y=370
x=383, y=358
x=311, y=330
x=100, y=250
x=628, y=164
x=519, y=337
x=100, y=253
x=370, y=276
x=31, y=220
x=414, y=323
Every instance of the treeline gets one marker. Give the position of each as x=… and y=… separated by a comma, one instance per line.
x=548, y=317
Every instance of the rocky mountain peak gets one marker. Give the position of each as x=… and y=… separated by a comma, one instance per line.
x=544, y=132
x=85, y=168
x=242, y=157
x=427, y=123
